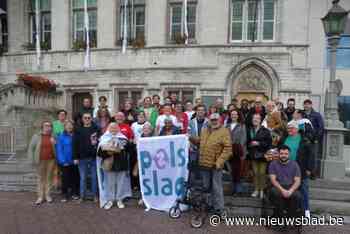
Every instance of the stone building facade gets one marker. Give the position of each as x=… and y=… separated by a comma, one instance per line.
x=286, y=61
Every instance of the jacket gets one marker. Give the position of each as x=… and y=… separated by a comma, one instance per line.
x=193, y=132
x=153, y=116
x=64, y=149
x=82, y=142
x=34, y=149
x=239, y=136
x=317, y=123
x=263, y=136
x=215, y=147
x=273, y=120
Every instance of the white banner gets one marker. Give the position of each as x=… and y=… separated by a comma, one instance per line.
x=162, y=169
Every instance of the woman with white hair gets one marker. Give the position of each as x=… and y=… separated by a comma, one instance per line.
x=113, y=168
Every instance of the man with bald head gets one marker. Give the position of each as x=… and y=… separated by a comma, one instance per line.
x=258, y=108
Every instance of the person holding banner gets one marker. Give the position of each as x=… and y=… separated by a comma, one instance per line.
x=167, y=114
x=115, y=184
x=169, y=128
x=215, y=149
x=195, y=128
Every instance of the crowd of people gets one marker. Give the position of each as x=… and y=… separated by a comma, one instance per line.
x=246, y=139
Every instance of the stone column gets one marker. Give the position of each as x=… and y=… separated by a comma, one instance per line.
x=332, y=163
x=106, y=23
x=60, y=19
x=18, y=24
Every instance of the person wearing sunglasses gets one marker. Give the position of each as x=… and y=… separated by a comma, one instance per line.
x=85, y=147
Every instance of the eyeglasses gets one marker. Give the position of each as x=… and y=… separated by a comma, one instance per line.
x=87, y=118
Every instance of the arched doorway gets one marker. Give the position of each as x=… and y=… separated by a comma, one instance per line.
x=253, y=77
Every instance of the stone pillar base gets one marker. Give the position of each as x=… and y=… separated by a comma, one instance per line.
x=332, y=162
x=331, y=169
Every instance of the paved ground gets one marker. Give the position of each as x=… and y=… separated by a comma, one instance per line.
x=19, y=215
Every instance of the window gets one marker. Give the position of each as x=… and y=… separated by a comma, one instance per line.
x=44, y=24
x=135, y=13
x=78, y=22
x=343, y=50
x=3, y=27
x=253, y=20
x=176, y=22
x=210, y=100
x=134, y=95
x=344, y=115
x=183, y=95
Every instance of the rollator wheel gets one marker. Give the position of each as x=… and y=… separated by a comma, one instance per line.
x=197, y=221
x=175, y=212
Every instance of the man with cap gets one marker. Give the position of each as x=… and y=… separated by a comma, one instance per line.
x=302, y=152
x=215, y=149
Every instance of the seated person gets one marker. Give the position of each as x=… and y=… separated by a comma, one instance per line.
x=285, y=178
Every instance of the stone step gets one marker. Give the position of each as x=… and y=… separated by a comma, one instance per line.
x=330, y=207
x=335, y=184
x=330, y=194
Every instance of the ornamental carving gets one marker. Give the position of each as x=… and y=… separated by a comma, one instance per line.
x=334, y=145
x=252, y=80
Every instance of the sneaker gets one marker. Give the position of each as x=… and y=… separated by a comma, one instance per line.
x=120, y=205
x=80, y=200
x=261, y=194
x=64, y=200
x=95, y=199
x=75, y=197
x=307, y=214
x=255, y=193
x=140, y=202
x=108, y=205
x=39, y=201
x=49, y=199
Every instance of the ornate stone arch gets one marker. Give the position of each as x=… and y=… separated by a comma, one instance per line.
x=253, y=75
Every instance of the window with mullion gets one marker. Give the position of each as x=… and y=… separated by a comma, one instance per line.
x=237, y=20
x=175, y=20
x=269, y=20
x=44, y=24
x=135, y=21
x=253, y=20
x=79, y=24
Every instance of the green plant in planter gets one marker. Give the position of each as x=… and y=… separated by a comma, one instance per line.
x=44, y=45
x=81, y=45
x=138, y=42
x=179, y=38
x=78, y=45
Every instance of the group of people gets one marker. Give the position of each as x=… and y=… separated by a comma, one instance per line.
x=99, y=147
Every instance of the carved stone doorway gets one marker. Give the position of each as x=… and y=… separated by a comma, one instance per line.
x=251, y=82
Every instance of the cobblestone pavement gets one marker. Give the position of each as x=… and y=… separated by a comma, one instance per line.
x=19, y=215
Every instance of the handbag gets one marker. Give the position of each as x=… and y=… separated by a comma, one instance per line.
x=121, y=161
x=107, y=163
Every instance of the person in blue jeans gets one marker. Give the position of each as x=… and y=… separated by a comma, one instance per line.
x=85, y=141
x=301, y=151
